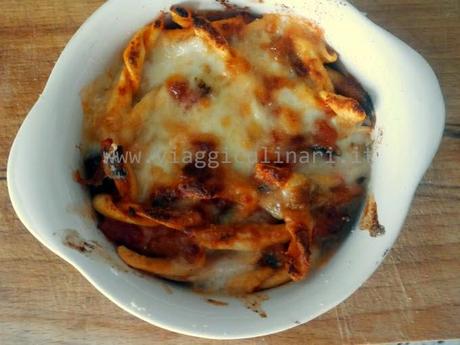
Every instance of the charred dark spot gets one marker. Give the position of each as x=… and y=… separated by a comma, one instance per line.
x=361, y=180
x=196, y=190
x=329, y=221
x=226, y=236
x=222, y=204
x=325, y=151
x=95, y=178
x=298, y=65
x=193, y=250
x=159, y=213
x=200, y=22
x=92, y=165
x=106, y=187
x=158, y=23
x=204, y=145
x=133, y=56
x=271, y=260
x=180, y=11
x=215, y=209
x=199, y=174
x=204, y=24
x=131, y=212
x=302, y=236
x=298, y=142
x=204, y=88
x=163, y=197
x=263, y=188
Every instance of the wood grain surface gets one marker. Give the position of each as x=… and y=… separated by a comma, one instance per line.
x=415, y=294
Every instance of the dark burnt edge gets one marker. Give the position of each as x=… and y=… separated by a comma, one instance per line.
x=204, y=24
x=180, y=11
x=211, y=15
x=354, y=211
x=91, y=165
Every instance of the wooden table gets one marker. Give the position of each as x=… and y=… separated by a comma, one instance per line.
x=415, y=295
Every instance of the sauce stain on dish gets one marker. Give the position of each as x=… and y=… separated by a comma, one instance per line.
x=254, y=302
x=73, y=240
x=216, y=302
x=167, y=288
x=89, y=248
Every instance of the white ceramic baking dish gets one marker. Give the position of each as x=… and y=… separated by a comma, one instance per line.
x=410, y=121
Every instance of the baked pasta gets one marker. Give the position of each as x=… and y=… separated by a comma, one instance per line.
x=223, y=149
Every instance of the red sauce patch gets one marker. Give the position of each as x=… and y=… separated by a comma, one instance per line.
x=326, y=136
x=180, y=90
x=329, y=221
x=156, y=242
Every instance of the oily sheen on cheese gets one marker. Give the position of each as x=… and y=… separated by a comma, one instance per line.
x=253, y=96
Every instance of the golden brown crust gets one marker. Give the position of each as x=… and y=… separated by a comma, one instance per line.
x=370, y=220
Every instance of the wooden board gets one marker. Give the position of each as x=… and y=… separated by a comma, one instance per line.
x=415, y=295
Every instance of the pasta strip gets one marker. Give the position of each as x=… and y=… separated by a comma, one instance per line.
x=238, y=190
x=348, y=111
x=174, y=219
x=229, y=26
x=181, y=16
x=104, y=204
x=248, y=282
x=177, y=269
x=280, y=277
x=201, y=27
x=299, y=225
x=251, y=237
x=135, y=214
x=130, y=75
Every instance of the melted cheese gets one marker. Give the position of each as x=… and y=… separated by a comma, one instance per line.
x=264, y=86
x=159, y=128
